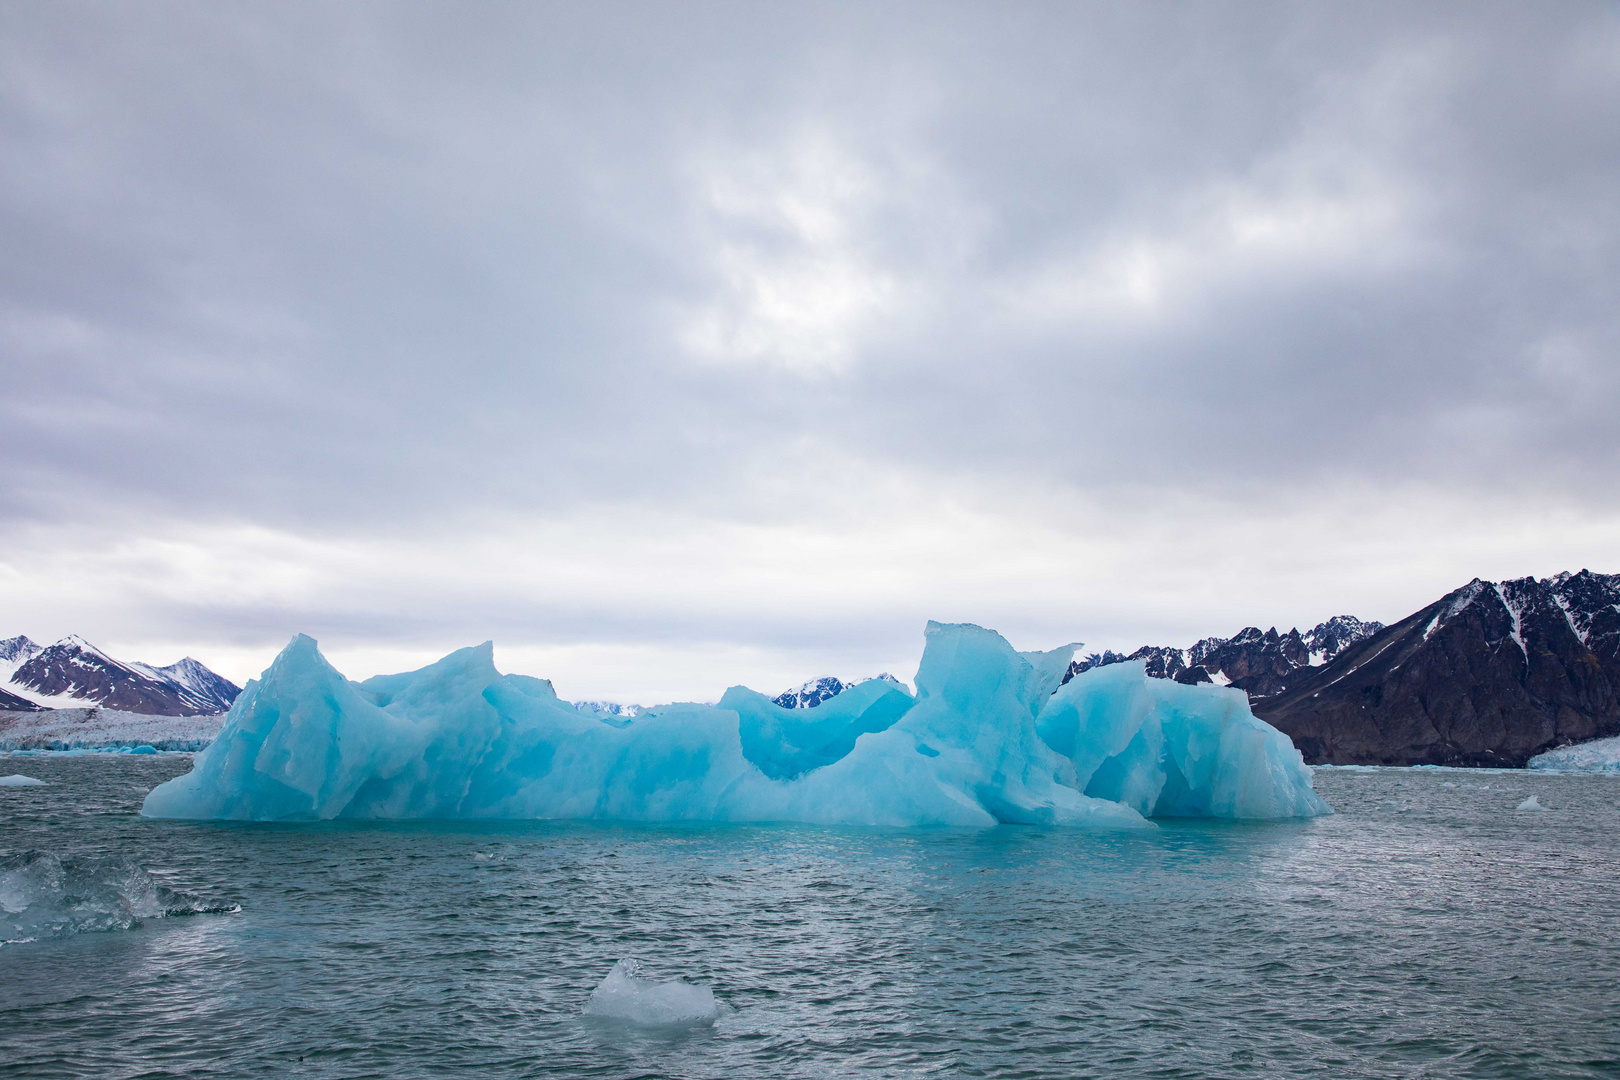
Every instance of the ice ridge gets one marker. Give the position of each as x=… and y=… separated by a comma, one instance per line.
x=985, y=740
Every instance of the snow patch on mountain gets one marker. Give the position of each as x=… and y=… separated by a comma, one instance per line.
x=814, y=692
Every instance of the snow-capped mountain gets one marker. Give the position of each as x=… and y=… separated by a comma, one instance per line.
x=816, y=691
x=1260, y=662
x=75, y=674
x=1492, y=673
x=611, y=712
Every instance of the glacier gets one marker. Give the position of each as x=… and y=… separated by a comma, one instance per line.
x=992, y=736
x=1597, y=755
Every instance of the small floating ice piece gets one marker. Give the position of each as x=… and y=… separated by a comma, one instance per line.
x=628, y=995
x=1531, y=804
x=19, y=780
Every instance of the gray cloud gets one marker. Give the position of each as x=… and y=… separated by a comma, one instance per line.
x=380, y=271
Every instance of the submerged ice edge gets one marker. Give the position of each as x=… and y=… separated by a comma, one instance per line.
x=991, y=736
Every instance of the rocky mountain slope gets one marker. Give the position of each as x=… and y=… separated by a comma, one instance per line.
x=74, y=674
x=1490, y=674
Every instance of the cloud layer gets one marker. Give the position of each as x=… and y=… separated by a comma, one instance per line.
x=728, y=342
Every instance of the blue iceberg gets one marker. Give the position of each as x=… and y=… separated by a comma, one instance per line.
x=992, y=736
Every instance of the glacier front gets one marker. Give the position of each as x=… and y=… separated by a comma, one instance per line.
x=990, y=737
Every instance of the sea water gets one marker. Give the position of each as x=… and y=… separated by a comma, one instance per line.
x=1427, y=928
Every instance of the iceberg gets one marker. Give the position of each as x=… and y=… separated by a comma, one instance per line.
x=627, y=994
x=991, y=736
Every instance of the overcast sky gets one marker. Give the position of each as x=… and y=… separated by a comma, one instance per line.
x=679, y=345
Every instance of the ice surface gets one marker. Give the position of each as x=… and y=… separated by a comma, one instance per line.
x=984, y=741
x=1599, y=755
x=19, y=780
x=626, y=994
x=1166, y=749
x=45, y=896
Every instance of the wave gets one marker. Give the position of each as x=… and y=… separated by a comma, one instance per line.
x=44, y=895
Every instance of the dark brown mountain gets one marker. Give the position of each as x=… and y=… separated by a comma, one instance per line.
x=1491, y=674
x=13, y=703
x=73, y=668
x=1261, y=662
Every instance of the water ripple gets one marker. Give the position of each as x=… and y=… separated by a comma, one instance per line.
x=1424, y=930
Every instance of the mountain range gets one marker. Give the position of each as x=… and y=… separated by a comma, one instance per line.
x=1261, y=663
x=1490, y=674
x=816, y=691
x=75, y=674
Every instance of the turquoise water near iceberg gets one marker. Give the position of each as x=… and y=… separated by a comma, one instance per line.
x=1427, y=928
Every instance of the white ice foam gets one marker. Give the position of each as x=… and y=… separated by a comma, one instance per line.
x=43, y=895
x=628, y=995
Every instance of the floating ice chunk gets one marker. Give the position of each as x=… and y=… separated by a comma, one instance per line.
x=983, y=741
x=45, y=896
x=19, y=780
x=1531, y=804
x=626, y=994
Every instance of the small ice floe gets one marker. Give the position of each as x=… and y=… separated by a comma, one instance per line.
x=1531, y=804
x=628, y=995
x=19, y=780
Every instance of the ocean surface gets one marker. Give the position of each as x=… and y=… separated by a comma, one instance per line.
x=1429, y=928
